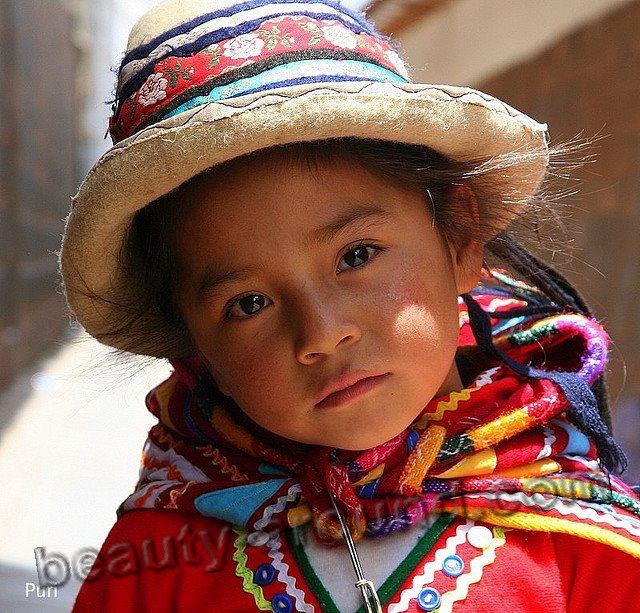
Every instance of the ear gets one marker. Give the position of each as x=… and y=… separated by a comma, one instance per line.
x=467, y=255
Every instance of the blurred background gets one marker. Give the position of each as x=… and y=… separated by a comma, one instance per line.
x=73, y=421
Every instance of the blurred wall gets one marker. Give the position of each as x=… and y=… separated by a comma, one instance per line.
x=38, y=170
x=590, y=81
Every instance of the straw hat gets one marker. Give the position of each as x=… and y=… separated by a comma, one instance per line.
x=204, y=81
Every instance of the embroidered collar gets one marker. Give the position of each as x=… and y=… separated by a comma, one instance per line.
x=504, y=434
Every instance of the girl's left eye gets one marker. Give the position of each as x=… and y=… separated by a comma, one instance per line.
x=359, y=254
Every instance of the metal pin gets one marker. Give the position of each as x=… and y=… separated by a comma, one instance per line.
x=366, y=587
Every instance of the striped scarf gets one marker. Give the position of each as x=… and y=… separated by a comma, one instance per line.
x=501, y=450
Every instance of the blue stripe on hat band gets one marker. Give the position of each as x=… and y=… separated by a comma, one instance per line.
x=141, y=69
x=294, y=73
x=143, y=51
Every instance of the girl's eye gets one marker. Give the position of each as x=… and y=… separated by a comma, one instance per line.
x=249, y=305
x=359, y=255
x=245, y=306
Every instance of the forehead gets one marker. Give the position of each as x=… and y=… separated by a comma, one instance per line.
x=284, y=191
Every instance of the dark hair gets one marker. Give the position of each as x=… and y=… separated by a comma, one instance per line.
x=149, y=257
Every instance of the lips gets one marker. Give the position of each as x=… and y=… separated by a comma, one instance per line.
x=350, y=386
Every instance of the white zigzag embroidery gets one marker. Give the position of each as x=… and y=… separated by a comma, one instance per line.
x=590, y=465
x=485, y=377
x=278, y=506
x=566, y=508
x=430, y=568
x=474, y=575
x=549, y=439
x=283, y=574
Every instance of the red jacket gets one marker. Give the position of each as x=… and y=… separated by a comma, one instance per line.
x=162, y=561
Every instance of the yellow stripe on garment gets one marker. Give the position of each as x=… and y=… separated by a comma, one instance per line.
x=539, y=468
x=530, y=521
x=163, y=394
x=480, y=463
x=445, y=405
x=500, y=429
x=420, y=460
x=371, y=476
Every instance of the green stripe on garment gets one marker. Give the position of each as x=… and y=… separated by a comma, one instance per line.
x=393, y=582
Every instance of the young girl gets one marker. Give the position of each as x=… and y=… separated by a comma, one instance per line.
x=363, y=413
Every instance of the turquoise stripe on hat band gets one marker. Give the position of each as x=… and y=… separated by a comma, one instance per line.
x=324, y=70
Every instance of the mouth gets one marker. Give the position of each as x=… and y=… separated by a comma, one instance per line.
x=357, y=390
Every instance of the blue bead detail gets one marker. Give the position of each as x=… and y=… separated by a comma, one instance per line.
x=452, y=566
x=281, y=603
x=429, y=599
x=265, y=574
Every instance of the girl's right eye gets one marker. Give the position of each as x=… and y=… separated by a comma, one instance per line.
x=248, y=305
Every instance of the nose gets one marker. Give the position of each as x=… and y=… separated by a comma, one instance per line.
x=323, y=326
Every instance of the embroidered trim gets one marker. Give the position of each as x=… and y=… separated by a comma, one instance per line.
x=388, y=589
x=430, y=568
x=549, y=523
x=565, y=508
x=278, y=506
x=283, y=574
x=474, y=575
x=454, y=399
x=395, y=580
x=217, y=459
x=240, y=557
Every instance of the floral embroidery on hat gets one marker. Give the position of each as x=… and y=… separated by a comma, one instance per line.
x=177, y=72
x=153, y=90
x=215, y=53
x=245, y=45
x=274, y=36
x=340, y=36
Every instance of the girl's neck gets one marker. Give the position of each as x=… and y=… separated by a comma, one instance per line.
x=452, y=382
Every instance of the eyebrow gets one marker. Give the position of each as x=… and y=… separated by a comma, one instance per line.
x=214, y=279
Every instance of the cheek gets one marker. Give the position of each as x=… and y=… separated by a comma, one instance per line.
x=251, y=373
x=423, y=309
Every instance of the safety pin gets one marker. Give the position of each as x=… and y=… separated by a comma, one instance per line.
x=367, y=589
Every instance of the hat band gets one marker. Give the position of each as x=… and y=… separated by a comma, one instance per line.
x=256, y=61
x=297, y=73
x=191, y=36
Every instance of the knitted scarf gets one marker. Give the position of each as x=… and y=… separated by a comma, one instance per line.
x=503, y=449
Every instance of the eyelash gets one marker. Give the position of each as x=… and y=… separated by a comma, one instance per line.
x=377, y=251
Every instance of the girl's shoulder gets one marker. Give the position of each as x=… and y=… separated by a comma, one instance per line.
x=162, y=560
x=173, y=561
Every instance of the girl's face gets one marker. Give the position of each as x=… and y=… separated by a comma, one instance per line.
x=324, y=271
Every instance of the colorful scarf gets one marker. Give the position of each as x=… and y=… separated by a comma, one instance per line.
x=501, y=450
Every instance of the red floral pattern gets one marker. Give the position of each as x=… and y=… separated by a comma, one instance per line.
x=173, y=76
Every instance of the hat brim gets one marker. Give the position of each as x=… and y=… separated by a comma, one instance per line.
x=460, y=123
